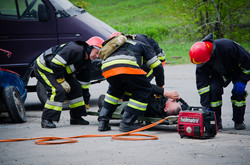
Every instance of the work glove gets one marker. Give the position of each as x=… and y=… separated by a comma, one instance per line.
x=64, y=84
x=239, y=88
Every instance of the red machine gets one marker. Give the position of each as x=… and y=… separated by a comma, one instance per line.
x=197, y=122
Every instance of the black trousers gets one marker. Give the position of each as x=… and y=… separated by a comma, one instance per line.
x=138, y=85
x=238, y=102
x=56, y=95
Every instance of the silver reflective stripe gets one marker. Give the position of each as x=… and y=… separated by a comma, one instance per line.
x=48, y=52
x=111, y=99
x=204, y=90
x=131, y=42
x=151, y=61
x=245, y=71
x=41, y=59
x=161, y=54
x=54, y=103
x=59, y=58
x=238, y=103
x=137, y=105
x=119, y=57
x=216, y=104
x=72, y=68
x=84, y=83
x=77, y=100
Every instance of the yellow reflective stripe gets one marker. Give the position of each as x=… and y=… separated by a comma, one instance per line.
x=53, y=93
x=161, y=58
x=53, y=107
x=75, y=105
x=216, y=104
x=111, y=99
x=42, y=66
x=137, y=105
x=57, y=62
x=127, y=93
x=85, y=86
x=68, y=70
x=204, y=90
x=155, y=64
x=245, y=71
x=238, y=103
x=149, y=73
x=113, y=62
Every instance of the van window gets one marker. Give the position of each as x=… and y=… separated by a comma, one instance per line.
x=24, y=9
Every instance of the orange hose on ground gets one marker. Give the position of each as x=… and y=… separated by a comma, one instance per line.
x=49, y=140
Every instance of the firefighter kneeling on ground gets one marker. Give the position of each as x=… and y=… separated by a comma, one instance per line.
x=55, y=68
x=121, y=67
x=220, y=62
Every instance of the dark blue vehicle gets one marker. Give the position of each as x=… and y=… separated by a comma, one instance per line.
x=12, y=93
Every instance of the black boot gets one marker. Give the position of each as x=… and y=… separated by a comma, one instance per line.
x=217, y=111
x=127, y=123
x=47, y=124
x=78, y=121
x=104, y=117
x=104, y=126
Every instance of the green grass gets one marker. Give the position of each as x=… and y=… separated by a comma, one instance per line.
x=145, y=17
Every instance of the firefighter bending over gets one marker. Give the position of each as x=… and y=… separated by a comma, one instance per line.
x=220, y=62
x=121, y=68
x=55, y=68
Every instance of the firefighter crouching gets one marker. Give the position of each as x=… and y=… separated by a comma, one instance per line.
x=55, y=68
x=220, y=62
x=121, y=68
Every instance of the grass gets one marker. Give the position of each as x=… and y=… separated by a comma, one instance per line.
x=145, y=17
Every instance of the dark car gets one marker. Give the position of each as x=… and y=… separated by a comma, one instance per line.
x=12, y=93
x=29, y=27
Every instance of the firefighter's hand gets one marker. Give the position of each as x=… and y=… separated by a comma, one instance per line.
x=65, y=86
x=171, y=94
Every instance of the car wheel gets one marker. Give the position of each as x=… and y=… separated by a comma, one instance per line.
x=14, y=104
x=41, y=92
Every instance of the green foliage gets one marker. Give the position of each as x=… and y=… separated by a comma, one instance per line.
x=81, y=4
x=175, y=24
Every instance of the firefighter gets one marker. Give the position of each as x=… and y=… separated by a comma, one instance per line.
x=154, y=45
x=122, y=70
x=220, y=62
x=55, y=69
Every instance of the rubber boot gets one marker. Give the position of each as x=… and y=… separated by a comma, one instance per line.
x=47, y=124
x=78, y=121
x=104, y=117
x=127, y=123
x=217, y=111
x=238, y=111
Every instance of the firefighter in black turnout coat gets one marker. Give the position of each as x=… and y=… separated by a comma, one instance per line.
x=220, y=62
x=122, y=70
x=55, y=69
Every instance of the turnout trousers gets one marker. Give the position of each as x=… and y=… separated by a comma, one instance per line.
x=140, y=89
x=56, y=95
x=238, y=102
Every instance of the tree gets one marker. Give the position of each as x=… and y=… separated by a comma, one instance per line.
x=224, y=18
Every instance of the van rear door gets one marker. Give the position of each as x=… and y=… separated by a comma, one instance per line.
x=22, y=33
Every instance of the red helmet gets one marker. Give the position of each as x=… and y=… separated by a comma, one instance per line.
x=95, y=41
x=200, y=52
x=114, y=34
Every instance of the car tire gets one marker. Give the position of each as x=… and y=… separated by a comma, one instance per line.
x=41, y=93
x=14, y=105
